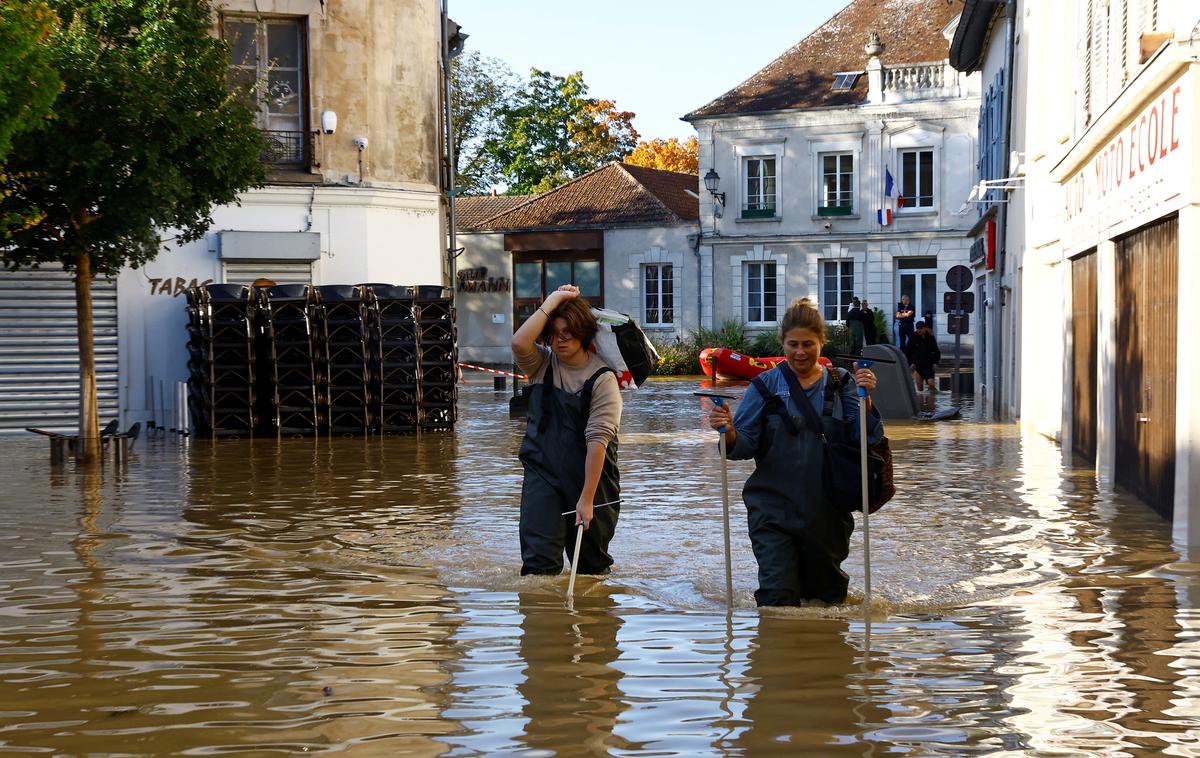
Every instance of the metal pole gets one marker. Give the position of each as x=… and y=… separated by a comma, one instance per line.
x=958, y=307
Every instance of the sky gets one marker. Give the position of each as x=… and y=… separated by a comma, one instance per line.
x=657, y=58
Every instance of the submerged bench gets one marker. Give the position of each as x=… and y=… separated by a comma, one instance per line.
x=61, y=444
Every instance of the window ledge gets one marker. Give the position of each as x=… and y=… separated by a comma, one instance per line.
x=658, y=327
x=766, y=220
x=915, y=213
x=849, y=217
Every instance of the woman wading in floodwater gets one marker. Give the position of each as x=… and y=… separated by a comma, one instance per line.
x=800, y=539
x=570, y=446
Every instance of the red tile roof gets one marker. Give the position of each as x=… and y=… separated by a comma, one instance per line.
x=614, y=195
x=910, y=30
x=471, y=211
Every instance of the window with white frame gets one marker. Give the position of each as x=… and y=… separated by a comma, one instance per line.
x=761, y=293
x=916, y=178
x=760, y=191
x=837, y=288
x=836, y=195
x=658, y=298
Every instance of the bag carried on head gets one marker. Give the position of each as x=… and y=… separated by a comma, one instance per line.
x=622, y=345
x=841, y=471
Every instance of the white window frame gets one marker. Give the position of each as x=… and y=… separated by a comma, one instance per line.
x=933, y=169
x=748, y=277
x=758, y=149
x=764, y=201
x=838, y=298
x=658, y=267
x=852, y=188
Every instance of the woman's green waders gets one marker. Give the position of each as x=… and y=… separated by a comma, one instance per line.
x=799, y=538
x=553, y=453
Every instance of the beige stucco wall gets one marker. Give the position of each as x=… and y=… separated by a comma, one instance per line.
x=377, y=66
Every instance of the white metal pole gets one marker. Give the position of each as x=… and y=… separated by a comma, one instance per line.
x=574, y=563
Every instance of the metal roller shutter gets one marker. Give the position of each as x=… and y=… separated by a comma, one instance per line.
x=39, y=350
x=280, y=272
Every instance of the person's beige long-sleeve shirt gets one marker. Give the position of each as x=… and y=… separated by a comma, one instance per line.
x=604, y=419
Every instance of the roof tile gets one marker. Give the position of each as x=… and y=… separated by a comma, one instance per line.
x=911, y=31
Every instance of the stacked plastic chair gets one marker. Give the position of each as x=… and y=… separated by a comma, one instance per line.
x=395, y=360
x=290, y=358
x=436, y=347
x=344, y=389
x=221, y=360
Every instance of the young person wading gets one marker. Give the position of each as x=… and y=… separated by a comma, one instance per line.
x=570, y=446
x=800, y=539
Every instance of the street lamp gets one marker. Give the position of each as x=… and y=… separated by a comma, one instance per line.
x=712, y=180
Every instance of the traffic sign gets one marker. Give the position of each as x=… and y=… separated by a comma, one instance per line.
x=958, y=278
x=951, y=303
x=958, y=324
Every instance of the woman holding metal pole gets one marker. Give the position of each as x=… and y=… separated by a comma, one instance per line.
x=800, y=538
x=571, y=484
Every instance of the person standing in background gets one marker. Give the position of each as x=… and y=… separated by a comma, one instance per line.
x=905, y=315
x=869, y=332
x=855, y=322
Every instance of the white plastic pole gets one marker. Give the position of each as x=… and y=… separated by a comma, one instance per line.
x=574, y=563
x=725, y=514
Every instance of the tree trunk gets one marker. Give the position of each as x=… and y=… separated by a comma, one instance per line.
x=87, y=449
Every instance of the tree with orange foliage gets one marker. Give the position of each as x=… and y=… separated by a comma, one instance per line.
x=668, y=155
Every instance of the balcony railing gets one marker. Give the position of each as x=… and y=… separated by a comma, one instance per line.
x=285, y=148
x=915, y=77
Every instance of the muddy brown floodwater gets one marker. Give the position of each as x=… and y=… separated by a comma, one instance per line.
x=362, y=596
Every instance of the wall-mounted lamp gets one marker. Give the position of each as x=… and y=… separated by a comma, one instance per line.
x=328, y=122
x=712, y=180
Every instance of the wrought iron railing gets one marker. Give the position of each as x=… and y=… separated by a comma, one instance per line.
x=285, y=148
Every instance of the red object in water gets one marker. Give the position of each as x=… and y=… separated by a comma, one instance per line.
x=731, y=365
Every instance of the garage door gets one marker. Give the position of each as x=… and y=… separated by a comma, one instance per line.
x=39, y=350
x=280, y=272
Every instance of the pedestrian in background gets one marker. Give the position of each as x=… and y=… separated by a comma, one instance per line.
x=869, y=334
x=905, y=315
x=855, y=323
x=924, y=355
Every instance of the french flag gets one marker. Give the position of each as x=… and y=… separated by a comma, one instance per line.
x=884, y=215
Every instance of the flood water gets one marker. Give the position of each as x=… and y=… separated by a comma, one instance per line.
x=362, y=596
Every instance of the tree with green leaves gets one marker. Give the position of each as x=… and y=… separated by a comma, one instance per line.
x=552, y=132
x=28, y=82
x=482, y=87
x=145, y=140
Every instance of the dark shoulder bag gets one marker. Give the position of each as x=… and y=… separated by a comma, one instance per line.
x=841, y=471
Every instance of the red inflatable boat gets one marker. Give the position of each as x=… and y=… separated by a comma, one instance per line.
x=736, y=366
x=731, y=365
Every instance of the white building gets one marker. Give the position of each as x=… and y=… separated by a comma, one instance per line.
x=1111, y=193
x=624, y=234
x=354, y=194
x=802, y=150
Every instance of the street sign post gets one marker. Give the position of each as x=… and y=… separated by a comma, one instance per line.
x=958, y=303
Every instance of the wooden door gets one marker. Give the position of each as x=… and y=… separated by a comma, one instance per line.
x=1147, y=314
x=1084, y=332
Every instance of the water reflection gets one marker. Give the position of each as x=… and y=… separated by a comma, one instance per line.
x=364, y=596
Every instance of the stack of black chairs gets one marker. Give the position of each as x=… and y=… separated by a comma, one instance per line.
x=436, y=347
x=221, y=360
x=291, y=355
x=299, y=360
x=395, y=360
x=344, y=389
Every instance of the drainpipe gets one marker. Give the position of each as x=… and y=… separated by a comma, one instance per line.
x=448, y=82
x=1004, y=303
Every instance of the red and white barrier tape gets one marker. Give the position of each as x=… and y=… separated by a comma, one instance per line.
x=493, y=371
